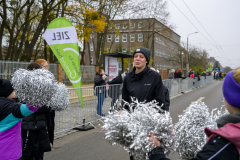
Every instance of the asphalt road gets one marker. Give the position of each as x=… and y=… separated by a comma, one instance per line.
x=90, y=145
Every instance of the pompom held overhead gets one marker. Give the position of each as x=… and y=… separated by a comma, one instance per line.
x=60, y=100
x=35, y=87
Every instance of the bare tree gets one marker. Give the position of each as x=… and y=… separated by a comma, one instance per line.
x=227, y=69
x=153, y=12
x=22, y=23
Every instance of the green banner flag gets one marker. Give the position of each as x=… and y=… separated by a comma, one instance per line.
x=62, y=38
x=210, y=68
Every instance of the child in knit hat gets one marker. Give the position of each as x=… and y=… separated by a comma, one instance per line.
x=11, y=114
x=224, y=142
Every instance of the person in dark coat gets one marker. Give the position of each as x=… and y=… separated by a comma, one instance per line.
x=204, y=74
x=143, y=84
x=223, y=143
x=99, y=80
x=180, y=76
x=37, y=130
x=175, y=74
x=190, y=72
x=51, y=113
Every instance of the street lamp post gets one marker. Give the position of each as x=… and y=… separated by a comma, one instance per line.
x=182, y=61
x=187, y=49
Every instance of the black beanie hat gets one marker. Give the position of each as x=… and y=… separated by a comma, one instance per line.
x=5, y=88
x=144, y=51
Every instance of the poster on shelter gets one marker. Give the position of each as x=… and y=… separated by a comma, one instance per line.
x=113, y=67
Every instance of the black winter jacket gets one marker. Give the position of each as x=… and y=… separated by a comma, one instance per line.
x=179, y=75
x=98, y=81
x=41, y=121
x=147, y=85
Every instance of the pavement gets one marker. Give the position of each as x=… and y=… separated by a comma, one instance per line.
x=91, y=145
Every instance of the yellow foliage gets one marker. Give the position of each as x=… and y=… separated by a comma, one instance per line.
x=88, y=20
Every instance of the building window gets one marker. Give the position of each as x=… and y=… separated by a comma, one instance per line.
x=116, y=38
x=132, y=25
x=124, y=26
x=132, y=37
x=140, y=25
x=91, y=47
x=140, y=37
x=124, y=38
x=124, y=50
x=109, y=38
x=117, y=26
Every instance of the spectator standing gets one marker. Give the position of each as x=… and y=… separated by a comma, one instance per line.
x=180, y=78
x=169, y=80
x=190, y=72
x=216, y=75
x=100, y=91
x=219, y=75
x=175, y=74
x=171, y=74
x=38, y=128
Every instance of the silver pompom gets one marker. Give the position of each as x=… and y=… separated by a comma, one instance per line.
x=60, y=100
x=35, y=87
x=189, y=130
x=132, y=129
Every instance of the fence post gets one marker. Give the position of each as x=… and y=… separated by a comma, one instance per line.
x=59, y=72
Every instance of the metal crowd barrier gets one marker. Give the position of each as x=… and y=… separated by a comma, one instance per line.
x=76, y=115
x=99, y=101
x=179, y=85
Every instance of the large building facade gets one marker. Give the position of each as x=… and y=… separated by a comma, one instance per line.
x=127, y=35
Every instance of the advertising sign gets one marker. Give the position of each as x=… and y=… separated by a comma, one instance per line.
x=113, y=67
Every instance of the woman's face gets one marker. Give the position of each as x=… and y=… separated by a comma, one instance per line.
x=45, y=66
x=102, y=72
x=139, y=60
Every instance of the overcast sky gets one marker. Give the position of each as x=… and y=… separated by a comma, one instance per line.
x=221, y=20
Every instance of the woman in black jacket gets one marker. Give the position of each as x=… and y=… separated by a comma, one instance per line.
x=37, y=130
x=143, y=83
x=100, y=91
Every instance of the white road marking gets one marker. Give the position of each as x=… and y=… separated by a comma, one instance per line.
x=201, y=98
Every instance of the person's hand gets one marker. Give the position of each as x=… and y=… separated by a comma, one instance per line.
x=153, y=139
x=119, y=112
x=103, y=77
